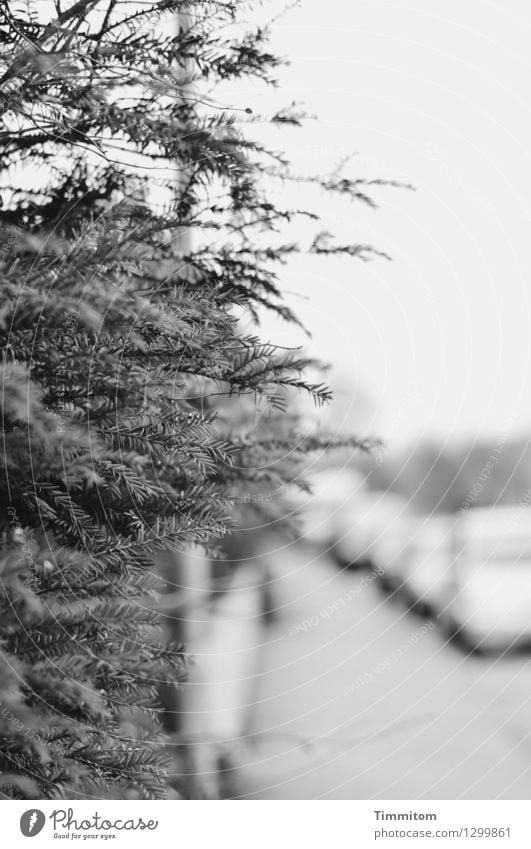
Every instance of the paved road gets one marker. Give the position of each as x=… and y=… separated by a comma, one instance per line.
x=360, y=699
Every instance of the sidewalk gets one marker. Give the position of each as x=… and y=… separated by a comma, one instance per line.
x=360, y=699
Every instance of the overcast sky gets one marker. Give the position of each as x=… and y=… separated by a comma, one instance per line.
x=436, y=95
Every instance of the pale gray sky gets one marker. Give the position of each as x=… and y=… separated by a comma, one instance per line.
x=437, y=95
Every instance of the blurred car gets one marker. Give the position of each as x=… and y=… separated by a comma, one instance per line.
x=333, y=490
x=371, y=531
x=489, y=605
x=426, y=564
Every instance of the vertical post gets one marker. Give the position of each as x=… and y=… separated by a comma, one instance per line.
x=172, y=564
x=188, y=579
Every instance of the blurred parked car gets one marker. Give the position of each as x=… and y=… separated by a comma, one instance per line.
x=426, y=565
x=333, y=491
x=371, y=532
x=489, y=604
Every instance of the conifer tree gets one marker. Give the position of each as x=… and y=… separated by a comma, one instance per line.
x=122, y=353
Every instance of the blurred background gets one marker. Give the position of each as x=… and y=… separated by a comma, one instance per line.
x=383, y=650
